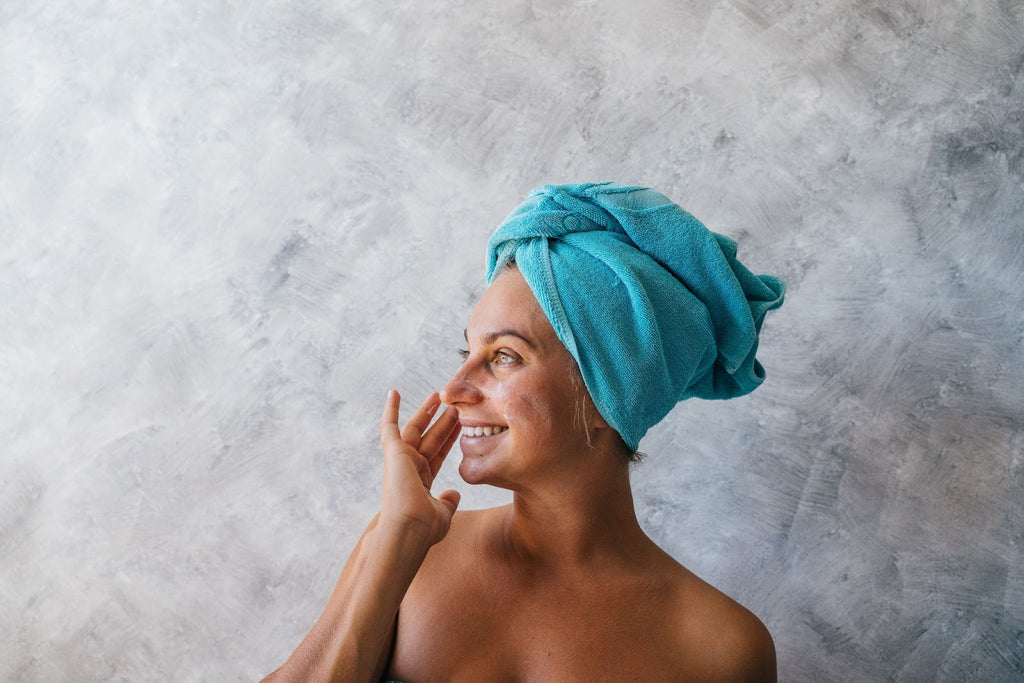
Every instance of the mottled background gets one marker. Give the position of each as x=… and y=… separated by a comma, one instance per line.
x=228, y=228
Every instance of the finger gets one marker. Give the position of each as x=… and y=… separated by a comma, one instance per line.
x=389, y=418
x=439, y=432
x=417, y=424
x=450, y=499
x=442, y=452
x=450, y=441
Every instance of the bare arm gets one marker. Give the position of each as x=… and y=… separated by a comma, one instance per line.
x=351, y=639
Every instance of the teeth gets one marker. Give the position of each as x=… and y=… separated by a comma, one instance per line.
x=483, y=431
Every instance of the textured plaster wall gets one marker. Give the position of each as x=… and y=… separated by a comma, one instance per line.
x=226, y=229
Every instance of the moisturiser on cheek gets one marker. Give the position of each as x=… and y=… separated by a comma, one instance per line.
x=501, y=395
x=532, y=414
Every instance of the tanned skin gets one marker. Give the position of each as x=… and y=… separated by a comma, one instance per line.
x=562, y=584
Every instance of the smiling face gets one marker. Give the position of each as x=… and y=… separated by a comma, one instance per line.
x=521, y=400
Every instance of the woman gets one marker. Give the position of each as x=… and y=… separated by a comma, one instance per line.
x=606, y=305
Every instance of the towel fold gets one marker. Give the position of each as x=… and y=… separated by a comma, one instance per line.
x=654, y=307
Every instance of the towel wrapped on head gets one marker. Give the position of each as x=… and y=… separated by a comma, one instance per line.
x=654, y=307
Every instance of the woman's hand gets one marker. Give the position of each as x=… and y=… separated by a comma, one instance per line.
x=352, y=639
x=412, y=458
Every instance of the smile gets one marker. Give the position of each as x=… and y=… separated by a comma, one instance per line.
x=489, y=430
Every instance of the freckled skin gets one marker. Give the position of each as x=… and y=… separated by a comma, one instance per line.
x=562, y=584
x=527, y=392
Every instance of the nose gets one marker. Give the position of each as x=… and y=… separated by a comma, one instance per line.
x=460, y=389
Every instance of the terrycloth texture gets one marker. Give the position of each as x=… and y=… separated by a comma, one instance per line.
x=654, y=306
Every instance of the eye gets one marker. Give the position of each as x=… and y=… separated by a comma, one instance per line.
x=504, y=358
x=464, y=353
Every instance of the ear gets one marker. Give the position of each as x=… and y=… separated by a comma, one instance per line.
x=604, y=433
x=596, y=421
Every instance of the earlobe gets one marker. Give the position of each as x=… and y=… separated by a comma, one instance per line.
x=598, y=423
x=590, y=410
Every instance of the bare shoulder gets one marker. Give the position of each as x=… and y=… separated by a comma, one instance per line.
x=718, y=636
x=471, y=527
x=471, y=532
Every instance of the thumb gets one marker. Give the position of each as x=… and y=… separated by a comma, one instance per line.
x=450, y=500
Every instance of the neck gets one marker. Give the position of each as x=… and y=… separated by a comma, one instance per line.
x=584, y=518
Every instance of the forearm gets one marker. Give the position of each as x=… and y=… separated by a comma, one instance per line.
x=347, y=641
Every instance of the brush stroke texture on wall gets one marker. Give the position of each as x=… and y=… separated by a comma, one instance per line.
x=226, y=229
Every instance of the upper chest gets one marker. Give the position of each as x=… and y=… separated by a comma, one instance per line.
x=483, y=623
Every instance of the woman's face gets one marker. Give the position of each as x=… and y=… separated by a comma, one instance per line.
x=519, y=394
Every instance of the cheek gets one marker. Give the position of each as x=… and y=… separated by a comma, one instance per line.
x=534, y=409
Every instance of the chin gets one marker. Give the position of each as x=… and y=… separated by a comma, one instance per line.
x=472, y=470
x=476, y=470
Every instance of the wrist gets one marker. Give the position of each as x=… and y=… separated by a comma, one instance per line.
x=402, y=535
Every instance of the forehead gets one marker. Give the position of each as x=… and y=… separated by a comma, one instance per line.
x=509, y=303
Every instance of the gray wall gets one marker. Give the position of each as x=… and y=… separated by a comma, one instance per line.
x=228, y=229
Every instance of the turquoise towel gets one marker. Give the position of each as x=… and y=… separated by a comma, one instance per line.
x=654, y=306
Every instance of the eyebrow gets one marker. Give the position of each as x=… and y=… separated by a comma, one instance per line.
x=491, y=337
